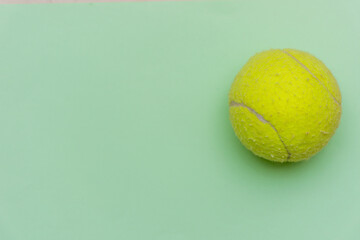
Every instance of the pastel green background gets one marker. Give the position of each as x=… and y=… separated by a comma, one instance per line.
x=114, y=123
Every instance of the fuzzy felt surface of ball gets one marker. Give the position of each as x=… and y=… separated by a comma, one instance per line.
x=285, y=105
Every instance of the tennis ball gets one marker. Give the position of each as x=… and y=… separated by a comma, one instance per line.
x=285, y=105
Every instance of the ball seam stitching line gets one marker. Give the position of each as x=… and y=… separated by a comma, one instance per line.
x=308, y=70
x=262, y=119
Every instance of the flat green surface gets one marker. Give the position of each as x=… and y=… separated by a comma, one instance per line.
x=114, y=123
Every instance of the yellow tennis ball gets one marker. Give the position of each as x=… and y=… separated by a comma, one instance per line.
x=285, y=105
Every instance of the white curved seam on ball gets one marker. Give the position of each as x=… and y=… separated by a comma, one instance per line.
x=308, y=70
x=262, y=119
